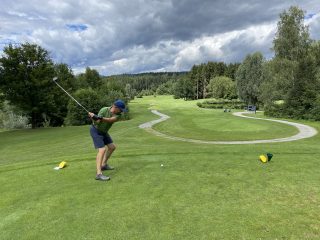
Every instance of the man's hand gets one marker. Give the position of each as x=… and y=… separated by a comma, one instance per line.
x=95, y=117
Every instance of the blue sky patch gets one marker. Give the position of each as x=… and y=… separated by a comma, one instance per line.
x=7, y=41
x=76, y=27
x=309, y=16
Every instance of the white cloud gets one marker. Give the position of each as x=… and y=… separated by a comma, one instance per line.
x=140, y=35
x=227, y=47
x=314, y=25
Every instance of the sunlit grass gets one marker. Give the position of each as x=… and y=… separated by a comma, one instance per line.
x=201, y=192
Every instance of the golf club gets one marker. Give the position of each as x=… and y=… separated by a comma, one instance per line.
x=55, y=81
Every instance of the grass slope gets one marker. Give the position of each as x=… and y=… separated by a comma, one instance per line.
x=202, y=192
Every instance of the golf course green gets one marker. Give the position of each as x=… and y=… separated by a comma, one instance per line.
x=201, y=192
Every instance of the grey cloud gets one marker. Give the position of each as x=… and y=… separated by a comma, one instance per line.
x=243, y=45
x=150, y=34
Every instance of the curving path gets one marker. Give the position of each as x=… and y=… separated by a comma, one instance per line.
x=304, y=131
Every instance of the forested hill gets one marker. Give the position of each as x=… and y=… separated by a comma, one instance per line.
x=149, y=82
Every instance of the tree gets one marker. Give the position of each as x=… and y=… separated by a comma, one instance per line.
x=200, y=76
x=67, y=80
x=26, y=80
x=249, y=77
x=109, y=93
x=292, y=38
x=93, y=78
x=278, y=76
x=298, y=53
x=89, y=79
x=222, y=87
x=88, y=98
x=1, y=99
x=231, y=70
x=195, y=78
x=165, y=88
x=129, y=92
x=184, y=88
x=112, y=95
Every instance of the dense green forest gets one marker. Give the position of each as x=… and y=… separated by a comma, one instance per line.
x=143, y=84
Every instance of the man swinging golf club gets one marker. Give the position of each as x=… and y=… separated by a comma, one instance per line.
x=101, y=138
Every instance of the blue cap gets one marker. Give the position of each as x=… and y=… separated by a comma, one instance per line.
x=120, y=104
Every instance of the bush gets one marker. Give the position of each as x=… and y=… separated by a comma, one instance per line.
x=13, y=121
x=11, y=118
x=140, y=95
x=283, y=110
x=274, y=110
x=146, y=92
x=315, y=111
x=221, y=104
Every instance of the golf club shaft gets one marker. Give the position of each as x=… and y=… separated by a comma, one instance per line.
x=71, y=97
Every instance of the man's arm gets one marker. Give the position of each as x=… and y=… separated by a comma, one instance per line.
x=109, y=120
x=102, y=119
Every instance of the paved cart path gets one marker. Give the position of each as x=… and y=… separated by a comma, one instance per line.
x=304, y=131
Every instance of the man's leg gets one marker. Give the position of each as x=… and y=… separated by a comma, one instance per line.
x=100, y=158
x=108, y=153
x=100, y=145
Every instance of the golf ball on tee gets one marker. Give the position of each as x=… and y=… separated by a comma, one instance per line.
x=161, y=165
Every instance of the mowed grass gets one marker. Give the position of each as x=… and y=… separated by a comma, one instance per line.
x=190, y=121
x=201, y=192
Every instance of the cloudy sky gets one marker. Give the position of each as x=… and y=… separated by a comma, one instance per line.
x=132, y=36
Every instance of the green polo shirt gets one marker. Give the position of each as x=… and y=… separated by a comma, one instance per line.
x=106, y=113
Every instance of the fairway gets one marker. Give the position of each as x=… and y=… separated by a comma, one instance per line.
x=189, y=121
x=201, y=191
x=305, y=131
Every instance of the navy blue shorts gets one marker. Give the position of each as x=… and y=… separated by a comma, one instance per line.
x=99, y=139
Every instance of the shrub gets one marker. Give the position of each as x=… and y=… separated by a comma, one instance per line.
x=146, y=92
x=274, y=110
x=220, y=104
x=11, y=118
x=140, y=95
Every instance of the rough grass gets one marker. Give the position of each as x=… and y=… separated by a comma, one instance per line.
x=202, y=192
